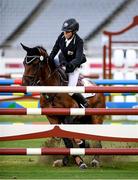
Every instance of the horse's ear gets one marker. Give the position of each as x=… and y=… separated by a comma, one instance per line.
x=25, y=47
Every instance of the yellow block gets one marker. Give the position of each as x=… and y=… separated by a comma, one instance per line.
x=28, y=103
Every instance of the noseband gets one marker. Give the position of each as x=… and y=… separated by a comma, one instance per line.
x=33, y=58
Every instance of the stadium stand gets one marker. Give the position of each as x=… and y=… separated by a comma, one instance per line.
x=12, y=13
x=119, y=21
x=47, y=25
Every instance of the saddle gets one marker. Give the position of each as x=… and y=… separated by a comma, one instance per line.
x=81, y=82
x=64, y=78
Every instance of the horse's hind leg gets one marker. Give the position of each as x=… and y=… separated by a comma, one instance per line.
x=65, y=161
x=96, y=159
x=69, y=144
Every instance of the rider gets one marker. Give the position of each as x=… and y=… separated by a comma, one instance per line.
x=71, y=54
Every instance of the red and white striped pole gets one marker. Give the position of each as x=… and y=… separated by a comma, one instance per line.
x=68, y=89
x=67, y=151
x=68, y=111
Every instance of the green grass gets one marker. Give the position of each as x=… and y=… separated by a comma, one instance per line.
x=32, y=167
x=23, y=168
x=23, y=119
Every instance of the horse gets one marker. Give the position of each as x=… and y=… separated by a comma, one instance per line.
x=39, y=70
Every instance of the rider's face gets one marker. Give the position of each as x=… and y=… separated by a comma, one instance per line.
x=68, y=35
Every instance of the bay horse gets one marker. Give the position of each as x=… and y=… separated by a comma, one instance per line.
x=39, y=70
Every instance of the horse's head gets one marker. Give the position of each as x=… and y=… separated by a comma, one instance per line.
x=34, y=63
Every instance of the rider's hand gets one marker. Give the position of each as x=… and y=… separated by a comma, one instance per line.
x=70, y=68
x=63, y=63
x=63, y=67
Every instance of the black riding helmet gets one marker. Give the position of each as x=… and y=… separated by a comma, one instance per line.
x=70, y=25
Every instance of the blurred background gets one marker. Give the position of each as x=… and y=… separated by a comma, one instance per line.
x=38, y=22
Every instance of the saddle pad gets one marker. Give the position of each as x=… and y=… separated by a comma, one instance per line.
x=87, y=95
x=86, y=82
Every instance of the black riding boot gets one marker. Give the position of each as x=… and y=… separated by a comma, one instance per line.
x=80, y=99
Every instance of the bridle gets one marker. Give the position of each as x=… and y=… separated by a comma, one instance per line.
x=41, y=58
x=35, y=78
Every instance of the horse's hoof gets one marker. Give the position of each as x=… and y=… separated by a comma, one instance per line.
x=58, y=163
x=95, y=163
x=83, y=166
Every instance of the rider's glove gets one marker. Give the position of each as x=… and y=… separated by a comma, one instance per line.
x=63, y=67
x=70, y=68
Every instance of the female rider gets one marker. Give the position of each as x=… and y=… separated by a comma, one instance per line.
x=71, y=54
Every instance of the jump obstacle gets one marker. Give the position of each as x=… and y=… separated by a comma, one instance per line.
x=67, y=89
x=121, y=133
x=67, y=151
x=96, y=81
x=10, y=81
x=114, y=82
x=12, y=76
x=92, y=76
x=38, y=94
x=68, y=111
x=34, y=103
x=61, y=132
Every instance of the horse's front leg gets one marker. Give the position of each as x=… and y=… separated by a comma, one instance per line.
x=78, y=160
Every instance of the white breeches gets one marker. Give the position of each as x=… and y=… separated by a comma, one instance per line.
x=73, y=77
